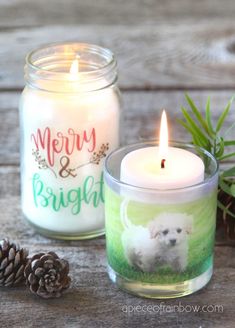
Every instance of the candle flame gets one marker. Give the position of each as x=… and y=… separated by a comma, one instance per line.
x=163, y=140
x=74, y=68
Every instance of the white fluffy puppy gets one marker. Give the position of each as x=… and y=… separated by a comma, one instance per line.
x=162, y=242
x=171, y=231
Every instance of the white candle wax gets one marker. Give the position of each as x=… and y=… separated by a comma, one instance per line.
x=67, y=127
x=142, y=168
x=162, y=167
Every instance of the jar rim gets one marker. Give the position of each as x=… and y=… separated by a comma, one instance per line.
x=103, y=63
x=108, y=175
x=87, y=46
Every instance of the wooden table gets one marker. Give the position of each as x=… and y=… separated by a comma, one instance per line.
x=163, y=48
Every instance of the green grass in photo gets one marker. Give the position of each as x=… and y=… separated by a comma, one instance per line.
x=201, y=241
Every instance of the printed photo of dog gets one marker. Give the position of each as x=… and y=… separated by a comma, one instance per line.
x=164, y=242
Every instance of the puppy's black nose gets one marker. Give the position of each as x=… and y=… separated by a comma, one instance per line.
x=173, y=242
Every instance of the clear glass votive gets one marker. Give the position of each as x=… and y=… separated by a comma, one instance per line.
x=160, y=268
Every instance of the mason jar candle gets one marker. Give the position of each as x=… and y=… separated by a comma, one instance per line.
x=69, y=121
x=160, y=240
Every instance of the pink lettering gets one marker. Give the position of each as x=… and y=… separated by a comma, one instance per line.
x=62, y=143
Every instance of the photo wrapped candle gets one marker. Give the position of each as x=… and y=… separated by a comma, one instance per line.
x=160, y=209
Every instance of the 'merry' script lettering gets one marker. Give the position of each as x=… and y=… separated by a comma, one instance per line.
x=67, y=144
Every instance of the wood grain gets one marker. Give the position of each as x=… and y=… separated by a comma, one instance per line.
x=18, y=13
x=13, y=223
x=93, y=301
x=163, y=48
x=141, y=117
x=167, y=55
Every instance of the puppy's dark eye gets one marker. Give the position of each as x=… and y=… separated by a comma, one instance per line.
x=165, y=232
x=179, y=230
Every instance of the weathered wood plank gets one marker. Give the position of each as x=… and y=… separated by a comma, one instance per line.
x=166, y=55
x=158, y=53
x=93, y=301
x=141, y=117
x=13, y=224
x=16, y=13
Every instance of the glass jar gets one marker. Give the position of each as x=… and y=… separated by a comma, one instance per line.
x=160, y=242
x=69, y=119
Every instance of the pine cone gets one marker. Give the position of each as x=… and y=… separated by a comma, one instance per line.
x=13, y=260
x=47, y=275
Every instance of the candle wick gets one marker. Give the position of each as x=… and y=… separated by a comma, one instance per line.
x=163, y=163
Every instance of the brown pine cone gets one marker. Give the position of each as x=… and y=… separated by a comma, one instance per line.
x=47, y=275
x=13, y=260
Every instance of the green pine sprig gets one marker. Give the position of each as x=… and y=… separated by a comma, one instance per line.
x=209, y=136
